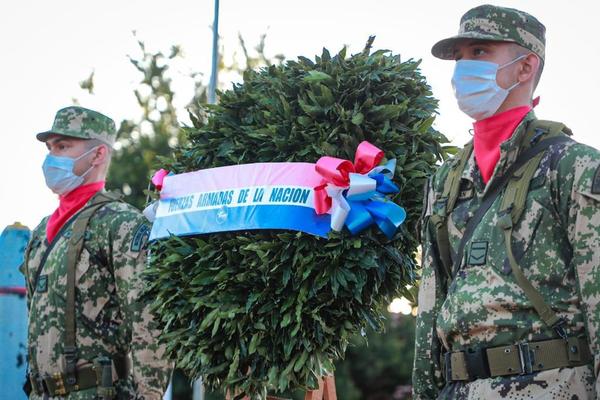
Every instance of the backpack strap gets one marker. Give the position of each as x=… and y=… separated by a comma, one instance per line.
x=73, y=251
x=515, y=195
x=511, y=210
x=448, y=201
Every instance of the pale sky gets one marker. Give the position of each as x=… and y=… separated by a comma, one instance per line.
x=47, y=47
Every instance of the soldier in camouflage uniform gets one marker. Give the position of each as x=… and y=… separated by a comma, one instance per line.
x=509, y=309
x=113, y=350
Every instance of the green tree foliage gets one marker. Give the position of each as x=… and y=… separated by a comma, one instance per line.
x=376, y=367
x=145, y=139
x=88, y=83
x=250, y=61
x=272, y=310
x=380, y=368
x=142, y=141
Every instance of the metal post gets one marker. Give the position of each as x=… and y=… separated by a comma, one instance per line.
x=198, y=390
x=13, y=312
x=212, y=86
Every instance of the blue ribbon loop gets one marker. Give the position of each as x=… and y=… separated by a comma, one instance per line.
x=376, y=208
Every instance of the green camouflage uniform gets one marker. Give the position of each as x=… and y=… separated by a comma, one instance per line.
x=110, y=317
x=557, y=242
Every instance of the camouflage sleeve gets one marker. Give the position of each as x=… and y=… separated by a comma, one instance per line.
x=24, y=268
x=151, y=369
x=427, y=372
x=578, y=180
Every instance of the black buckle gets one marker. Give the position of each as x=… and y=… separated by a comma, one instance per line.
x=539, y=132
x=70, y=353
x=526, y=358
x=559, y=328
x=447, y=367
x=477, y=363
x=39, y=385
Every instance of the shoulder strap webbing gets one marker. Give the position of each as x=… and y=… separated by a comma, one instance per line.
x=496, y=188
x=106, y=195
x=449, y=197
x=47, y=253
x=73, y=250
x=510, y=212
x=515, y=195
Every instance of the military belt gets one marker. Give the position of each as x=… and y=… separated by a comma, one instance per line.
x=517, y=359
x=86, y=377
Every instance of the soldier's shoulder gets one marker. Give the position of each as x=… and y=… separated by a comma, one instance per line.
x=128, y=227
x=40, y=229
x=578, y=149
x=119, y=213
x=580, y=164
x=440, y=175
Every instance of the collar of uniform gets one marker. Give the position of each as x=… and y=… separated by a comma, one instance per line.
x=514, y=143
x=471, y=170
x=510, y=149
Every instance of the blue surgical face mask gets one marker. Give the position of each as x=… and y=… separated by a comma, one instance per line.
x=59, y=175
x=475, y=87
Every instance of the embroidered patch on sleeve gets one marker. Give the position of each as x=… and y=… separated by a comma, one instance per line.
x=140, y=237
x=596, y=182
x=42, y=284
x=478, y=253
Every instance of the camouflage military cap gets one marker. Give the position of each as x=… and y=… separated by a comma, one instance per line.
x=79, y=122
x=495, y=23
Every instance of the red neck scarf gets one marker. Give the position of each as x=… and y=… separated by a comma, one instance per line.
x=490, y=133
x=69, y=204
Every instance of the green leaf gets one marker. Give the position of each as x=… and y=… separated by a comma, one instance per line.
x=300, y=362
x=253, y=343
x=358, y=118
x=287, y=318
x=317, y=77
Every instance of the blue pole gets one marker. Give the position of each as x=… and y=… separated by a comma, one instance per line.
x=212, y=87
x=13, y=312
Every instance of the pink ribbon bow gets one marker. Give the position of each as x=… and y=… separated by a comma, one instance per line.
x=336, y=172
x=158, y=177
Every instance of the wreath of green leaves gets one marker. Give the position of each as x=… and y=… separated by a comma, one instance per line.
x=258, y=311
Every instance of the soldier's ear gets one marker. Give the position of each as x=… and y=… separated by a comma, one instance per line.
x=100, y=154
x=529, y=68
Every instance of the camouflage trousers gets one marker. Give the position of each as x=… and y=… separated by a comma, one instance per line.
x=562, y=383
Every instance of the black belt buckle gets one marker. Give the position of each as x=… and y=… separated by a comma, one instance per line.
x=526, y=358
x=477, y=363
x=70, y=353
x=39, y=386
x=559, y=328
x=447, y=367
